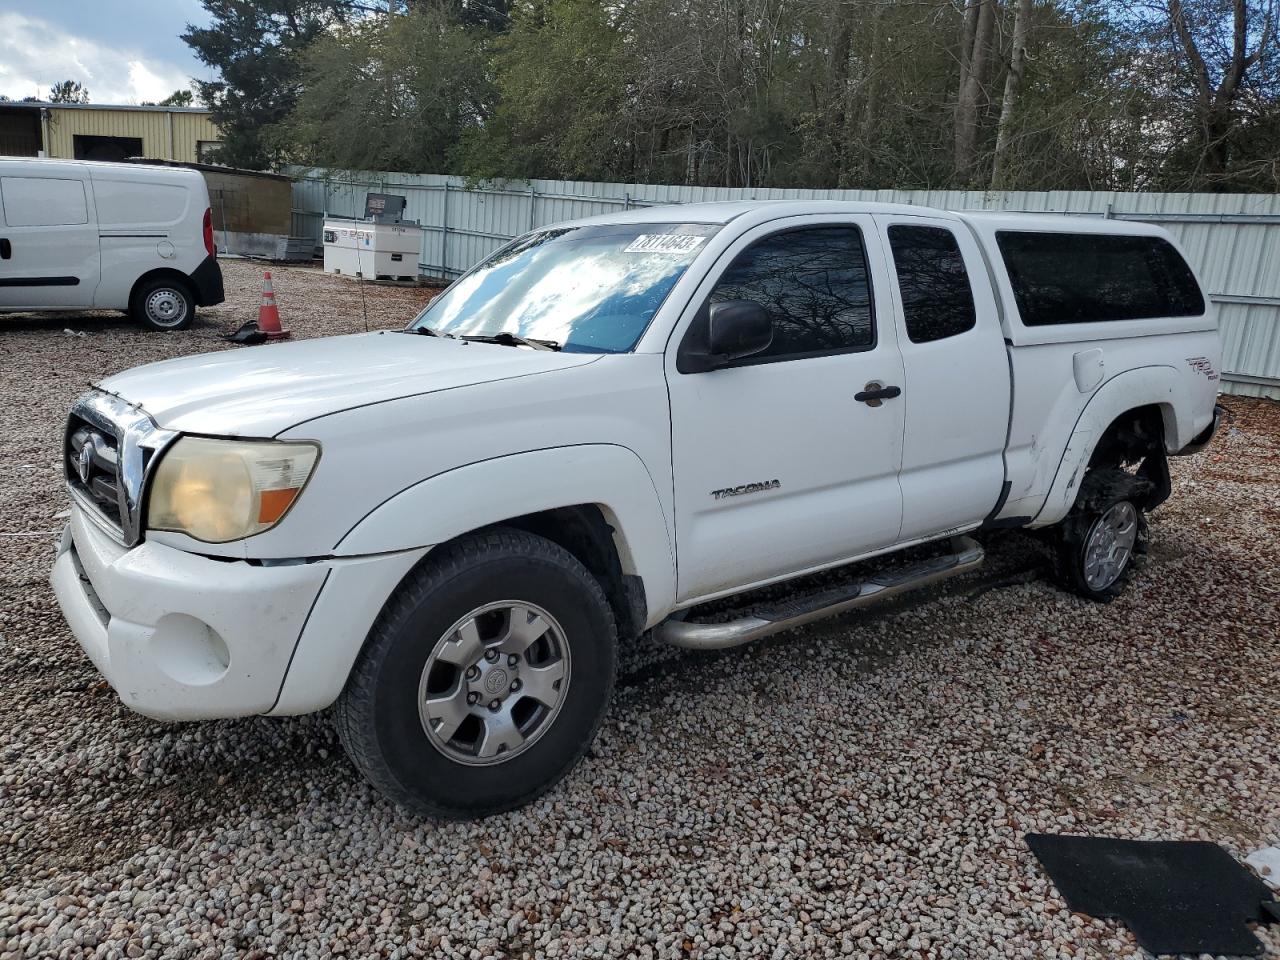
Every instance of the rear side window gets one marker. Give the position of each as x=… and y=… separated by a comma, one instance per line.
x=937, y=300
x=43, y=201
x=814, y=283
x=1091, y=277
x=132, y=202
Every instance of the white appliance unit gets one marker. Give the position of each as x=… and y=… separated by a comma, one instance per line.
x=382, y=246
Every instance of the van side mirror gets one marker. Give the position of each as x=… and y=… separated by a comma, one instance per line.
x=732, y=329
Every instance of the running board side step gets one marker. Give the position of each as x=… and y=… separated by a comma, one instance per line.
x=965, y=554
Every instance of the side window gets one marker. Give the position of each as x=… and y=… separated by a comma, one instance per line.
x=815, y=285
x=43, y=202
x=1091, y=277
x=122, y=202
x=937, y=300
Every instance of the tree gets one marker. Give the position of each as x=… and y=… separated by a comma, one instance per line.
x=254, y=45
x=412, y=84
x=179, y=98
x=68, y=91
x=1224, y=85
x=977, y=37
x=543, y=124
x=1012, y=81
x=259, y=47
x=1011, y=94
x=705, y=91
x=888, y=107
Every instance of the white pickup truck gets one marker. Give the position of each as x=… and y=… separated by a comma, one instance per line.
x=443, y=533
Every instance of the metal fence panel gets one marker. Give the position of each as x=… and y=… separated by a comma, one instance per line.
x=1233, y=240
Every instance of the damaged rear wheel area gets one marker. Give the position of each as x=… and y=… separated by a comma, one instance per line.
x=1128, y=475
x=1096, y=543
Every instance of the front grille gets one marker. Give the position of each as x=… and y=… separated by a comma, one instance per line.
x=111, y=446
x=93, y=467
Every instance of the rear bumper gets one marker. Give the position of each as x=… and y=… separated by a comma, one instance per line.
x=1206, y=436
x=186, y=637
x=207, y=280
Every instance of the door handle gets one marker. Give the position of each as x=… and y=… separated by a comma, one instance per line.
x=6, y=250
x=875, y=393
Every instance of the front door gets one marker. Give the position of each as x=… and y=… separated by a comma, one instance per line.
x=48, y=242
x=778, y=467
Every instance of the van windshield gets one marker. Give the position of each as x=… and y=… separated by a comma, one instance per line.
x=591, y=289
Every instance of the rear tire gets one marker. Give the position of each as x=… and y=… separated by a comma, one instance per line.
x=1096, y=542
x=163, y=304
x=484, y=679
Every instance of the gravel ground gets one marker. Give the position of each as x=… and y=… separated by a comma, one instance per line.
x=858, y=788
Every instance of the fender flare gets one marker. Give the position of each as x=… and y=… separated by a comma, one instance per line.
x=457, y=501
x=1158, y=385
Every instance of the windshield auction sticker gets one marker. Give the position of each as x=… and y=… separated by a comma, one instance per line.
x=675, y=243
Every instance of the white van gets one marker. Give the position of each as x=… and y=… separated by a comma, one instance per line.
x=106, y=236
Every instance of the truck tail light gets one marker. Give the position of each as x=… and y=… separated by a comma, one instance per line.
x=208, y=233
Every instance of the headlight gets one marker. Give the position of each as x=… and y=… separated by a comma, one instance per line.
x=221, y=490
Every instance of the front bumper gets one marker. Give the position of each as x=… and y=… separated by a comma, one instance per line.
x=1205, y=437
x=186, y=637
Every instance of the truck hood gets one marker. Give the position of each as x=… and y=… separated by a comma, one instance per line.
x=261, y=391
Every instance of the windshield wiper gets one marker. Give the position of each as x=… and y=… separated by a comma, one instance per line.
x=508, y=339
x=428, y=332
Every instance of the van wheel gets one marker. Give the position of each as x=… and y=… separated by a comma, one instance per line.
x=484, y=679
x=1097, y=540
x=163, y=304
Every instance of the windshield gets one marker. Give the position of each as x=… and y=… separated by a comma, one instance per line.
x=587, y=289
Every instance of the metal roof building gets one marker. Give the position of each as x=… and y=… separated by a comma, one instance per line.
x=90, y=131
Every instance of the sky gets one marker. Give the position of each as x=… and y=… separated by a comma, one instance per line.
x=124, y=51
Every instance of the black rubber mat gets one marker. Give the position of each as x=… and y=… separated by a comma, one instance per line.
x=1176, y=897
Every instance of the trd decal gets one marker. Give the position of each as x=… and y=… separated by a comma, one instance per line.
x=1202, y=365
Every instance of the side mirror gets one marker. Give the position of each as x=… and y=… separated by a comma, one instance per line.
x=737, y=329
x=728, y=331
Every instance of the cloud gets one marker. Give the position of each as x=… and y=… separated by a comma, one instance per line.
x=150, y=85
x=35, y=54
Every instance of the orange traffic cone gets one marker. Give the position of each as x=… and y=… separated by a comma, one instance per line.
x=268, y=315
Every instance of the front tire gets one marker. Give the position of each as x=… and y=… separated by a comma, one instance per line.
x=1096, y=542
x=484, y=680
x=163, y=304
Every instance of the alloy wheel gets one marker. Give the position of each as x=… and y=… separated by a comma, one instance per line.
x=1110, y=545
x=494, y=682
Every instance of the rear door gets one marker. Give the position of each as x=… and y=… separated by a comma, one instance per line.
x=49, y=241
x=779, y=468
x=956, y=388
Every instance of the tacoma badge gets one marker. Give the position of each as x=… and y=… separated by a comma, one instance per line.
x=746, y=488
